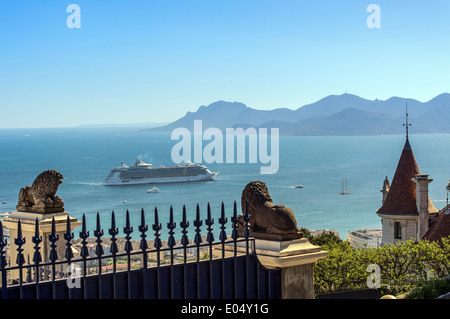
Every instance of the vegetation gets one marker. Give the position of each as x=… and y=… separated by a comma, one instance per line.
x=396, y=269
x=430, y=289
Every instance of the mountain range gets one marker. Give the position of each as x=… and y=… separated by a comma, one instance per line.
x=345, y=114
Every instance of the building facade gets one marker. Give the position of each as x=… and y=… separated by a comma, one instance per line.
x=365, y=238
x=406, y=211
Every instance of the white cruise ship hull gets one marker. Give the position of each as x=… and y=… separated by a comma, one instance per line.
x=115, y=180
x=143, y=173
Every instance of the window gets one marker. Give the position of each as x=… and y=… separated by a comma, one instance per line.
x=397, y=230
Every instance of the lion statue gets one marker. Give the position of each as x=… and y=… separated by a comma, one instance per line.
x=274, y=221
x=41, y=195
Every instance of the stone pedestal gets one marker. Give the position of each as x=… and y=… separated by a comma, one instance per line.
x=28, y=223
x=296, y=259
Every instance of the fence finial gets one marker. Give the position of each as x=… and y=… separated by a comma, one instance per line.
x=143, y=228
x=36, y=239
x=171, y=241
x=98, y=232
x=184, y=225
x=171, y=226
x=113, y=231
x=128, y=229
x=198, y=223
x=209, y=222
x=84, y=234
x=20, y=241
x=234, y=225
x=157, y=227
x=53, y=237
x=68, y=236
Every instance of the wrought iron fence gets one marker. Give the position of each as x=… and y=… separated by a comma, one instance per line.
x=229, y=268
x=365, y=293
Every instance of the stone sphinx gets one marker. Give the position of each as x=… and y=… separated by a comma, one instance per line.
x=267, y=220
x=41, y=196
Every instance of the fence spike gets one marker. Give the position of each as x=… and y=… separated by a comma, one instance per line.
x=68, y=236
x=36, y=239
x=247, y=218
x=53, y=237
x=84, y=235
x=184, y=225
x=171, y=226
x=157, y=227
x=98, y=232
x=222, y=221
x=209, y=222
x=128, y=229
x=171, y=240
x=20, y=241
x=234, y=225
x=143, y=228
x=53, y=256
x=113, y=231
x=198, y=223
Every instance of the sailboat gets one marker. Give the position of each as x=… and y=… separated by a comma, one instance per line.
x=344, y=188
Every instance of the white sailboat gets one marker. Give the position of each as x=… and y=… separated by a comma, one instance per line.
x=344, y=188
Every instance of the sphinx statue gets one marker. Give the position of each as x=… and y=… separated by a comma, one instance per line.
x=267, y=220
x=41, y=196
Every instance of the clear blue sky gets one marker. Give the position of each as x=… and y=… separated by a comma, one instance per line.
x=142, y=61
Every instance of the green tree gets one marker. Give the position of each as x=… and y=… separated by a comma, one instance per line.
x=434, y=258
x=396, y=262
x=402, y=266
x=344, y=268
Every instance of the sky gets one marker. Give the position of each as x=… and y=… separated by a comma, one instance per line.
x=152, y=61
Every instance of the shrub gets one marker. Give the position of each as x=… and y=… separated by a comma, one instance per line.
x=430, y=289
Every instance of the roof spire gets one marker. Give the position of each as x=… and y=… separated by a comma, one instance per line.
x=407, y=124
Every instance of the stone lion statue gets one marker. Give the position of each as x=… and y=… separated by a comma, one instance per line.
x=41, y=195
x=275, y=221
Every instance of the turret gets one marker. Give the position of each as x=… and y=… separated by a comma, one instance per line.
x=385, y=189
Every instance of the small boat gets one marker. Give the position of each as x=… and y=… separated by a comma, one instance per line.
x=153, y=190
x=345, y=191
x=124, y=201
x=4, y=202
x=298, y=186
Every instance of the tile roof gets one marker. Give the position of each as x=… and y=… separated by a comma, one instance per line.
x=440, y=226
x=401, y=198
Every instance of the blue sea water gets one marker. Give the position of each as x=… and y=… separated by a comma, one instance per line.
x=85, y=156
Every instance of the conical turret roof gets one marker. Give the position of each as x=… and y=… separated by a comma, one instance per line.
x=401, y=198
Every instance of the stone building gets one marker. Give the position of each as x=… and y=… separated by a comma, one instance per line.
x=407, y=211
x=364, y=238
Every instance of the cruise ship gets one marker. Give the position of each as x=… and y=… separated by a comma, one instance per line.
x=143, y=173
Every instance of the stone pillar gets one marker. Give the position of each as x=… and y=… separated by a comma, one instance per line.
x=296, y=259
x=422, y=182
x=28, y=222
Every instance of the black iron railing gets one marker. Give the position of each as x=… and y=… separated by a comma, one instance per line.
x=229, y=267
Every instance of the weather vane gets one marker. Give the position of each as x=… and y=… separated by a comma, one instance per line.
x=406, y=121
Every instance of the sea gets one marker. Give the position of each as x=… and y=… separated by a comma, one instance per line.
x=85, y=155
